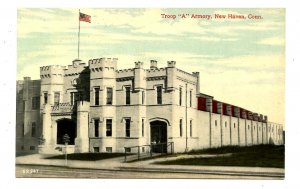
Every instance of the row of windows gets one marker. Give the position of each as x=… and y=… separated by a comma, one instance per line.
x=109, y=95
x=259, y=128
x=33, y=129
x=128, y=93
x=216, y=124
x=107, y=149
x=181, y=129
x=109, y=127
x=35, y=103
x=180, y=97
x=75, y=96
x=30, y=147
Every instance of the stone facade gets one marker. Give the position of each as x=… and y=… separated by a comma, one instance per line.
x=104, y=109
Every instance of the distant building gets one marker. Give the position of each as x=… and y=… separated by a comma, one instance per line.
x=104, y=109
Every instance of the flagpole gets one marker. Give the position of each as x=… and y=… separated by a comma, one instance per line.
x=78, y=33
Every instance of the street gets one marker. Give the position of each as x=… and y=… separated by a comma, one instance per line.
x=37, y=171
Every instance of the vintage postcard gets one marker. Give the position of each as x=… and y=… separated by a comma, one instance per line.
x=151, y=93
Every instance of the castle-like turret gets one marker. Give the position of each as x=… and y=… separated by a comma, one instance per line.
x=103, y=78
x=52, y=83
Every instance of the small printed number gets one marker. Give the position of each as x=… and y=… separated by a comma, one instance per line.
x=30, y=171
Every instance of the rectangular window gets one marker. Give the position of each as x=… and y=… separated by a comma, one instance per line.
x=97, y=95
x=74, y=98
x=56, y=98
x=109, y=96
x=45, y=98
x=191, y=128
x=180, y=96
x=33, y=129
x=127, y=91
x=109, y=127
x=109, y=149
x=216, y=123
x=127, y=127
x=190, y=98
x=159, y=94
x=180, y=127
x=96, y=149
x=35, y=103
x=143, y=97
x=96, y=126
x=142, y=127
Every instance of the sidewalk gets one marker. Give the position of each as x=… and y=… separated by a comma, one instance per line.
x=118, y=164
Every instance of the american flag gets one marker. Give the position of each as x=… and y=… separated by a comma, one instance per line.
x=84, y=17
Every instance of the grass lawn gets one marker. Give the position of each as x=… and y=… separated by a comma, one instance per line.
x=253, y=156
x=88, y=156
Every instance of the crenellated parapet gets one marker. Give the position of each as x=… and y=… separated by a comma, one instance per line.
x=187, y=76
x=125, y=73
x=52, y=71
x=155, y=72
x=101, y=64
x=77, y=67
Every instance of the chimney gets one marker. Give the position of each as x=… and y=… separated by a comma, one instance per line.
x=153, y=64
x=266, y=118
x=139, y=64
x=171, y=64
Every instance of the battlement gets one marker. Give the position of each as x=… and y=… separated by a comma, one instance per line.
x=103, y=63
x=52, y=71
x=125, y=70
x=192, y=77
x=76, y=68
x=196, y=74
x=125, y=73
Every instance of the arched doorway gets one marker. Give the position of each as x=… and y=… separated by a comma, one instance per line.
x=159, y=135
x=66, y=126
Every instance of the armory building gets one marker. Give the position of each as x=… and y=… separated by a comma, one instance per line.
x=104, y=109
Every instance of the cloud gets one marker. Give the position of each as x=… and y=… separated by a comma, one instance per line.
x=274, y=41
x=214, y=39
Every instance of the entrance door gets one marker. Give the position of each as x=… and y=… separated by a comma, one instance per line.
x=66, y=126
x=159, y=136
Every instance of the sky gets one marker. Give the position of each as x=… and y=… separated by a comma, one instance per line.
x=241, y=61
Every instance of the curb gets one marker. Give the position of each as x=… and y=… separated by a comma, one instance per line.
x=168, y=170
